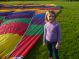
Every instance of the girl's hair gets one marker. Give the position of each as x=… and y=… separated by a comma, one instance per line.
x=48, y=12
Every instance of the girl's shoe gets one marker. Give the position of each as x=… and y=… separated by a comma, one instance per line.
x=50, y=57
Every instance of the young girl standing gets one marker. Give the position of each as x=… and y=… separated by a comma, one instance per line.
x=51, y=37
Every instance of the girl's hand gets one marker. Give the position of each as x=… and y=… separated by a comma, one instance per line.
x=57, y=46
x=44, y=44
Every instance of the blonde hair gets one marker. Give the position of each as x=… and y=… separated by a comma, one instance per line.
x=48, y=12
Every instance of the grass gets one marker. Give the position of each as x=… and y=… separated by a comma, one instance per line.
x=69, y=21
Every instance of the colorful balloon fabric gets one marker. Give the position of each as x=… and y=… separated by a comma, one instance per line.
x=19, y=31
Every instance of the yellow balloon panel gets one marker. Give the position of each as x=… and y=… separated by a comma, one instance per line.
x=7, y=43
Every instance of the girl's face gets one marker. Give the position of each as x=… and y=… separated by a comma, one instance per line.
x=51, y=17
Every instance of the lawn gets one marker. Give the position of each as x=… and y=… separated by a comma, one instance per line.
x=69, y=22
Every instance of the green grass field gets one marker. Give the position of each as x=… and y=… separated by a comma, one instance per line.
x=69, y=21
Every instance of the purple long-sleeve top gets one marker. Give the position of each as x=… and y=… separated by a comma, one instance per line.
x=51, y=32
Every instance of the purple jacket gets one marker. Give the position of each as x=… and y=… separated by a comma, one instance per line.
x=51, y=32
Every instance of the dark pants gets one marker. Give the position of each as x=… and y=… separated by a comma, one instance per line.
x=51, y=49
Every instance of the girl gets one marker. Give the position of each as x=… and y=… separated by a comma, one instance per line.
x=51, y=37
